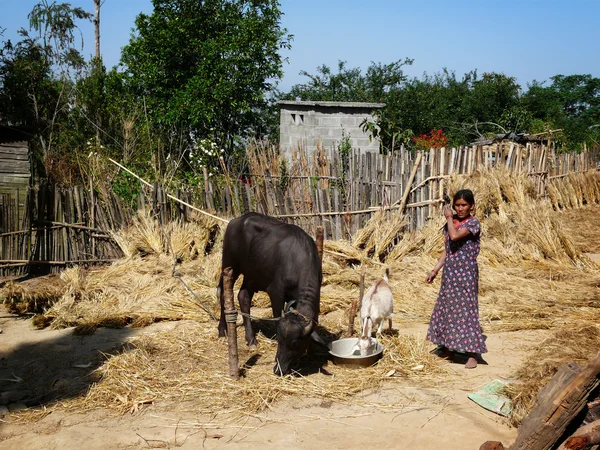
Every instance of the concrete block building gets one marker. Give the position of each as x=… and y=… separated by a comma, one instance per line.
x=307, y=122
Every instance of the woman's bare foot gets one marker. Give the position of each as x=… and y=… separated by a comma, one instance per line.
x=471, y=363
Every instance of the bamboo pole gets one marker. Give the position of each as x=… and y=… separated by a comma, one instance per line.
x=319, y=242
x=231, y=320
x=168, y=195
x=357, y=303
x=411, y=179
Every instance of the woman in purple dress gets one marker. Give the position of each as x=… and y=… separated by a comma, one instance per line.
x=454, y=323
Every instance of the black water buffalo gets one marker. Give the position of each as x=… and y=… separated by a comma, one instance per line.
x=282, y=260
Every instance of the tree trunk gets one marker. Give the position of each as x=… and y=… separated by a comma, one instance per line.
x=97, y=27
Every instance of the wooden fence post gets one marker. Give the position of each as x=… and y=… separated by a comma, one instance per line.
x=356, y=304
x=319, y=242
x=410, y=182
x=231, y=320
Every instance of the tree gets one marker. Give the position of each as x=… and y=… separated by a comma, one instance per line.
x=203, y=68
x=570, y=103
x=37, y=82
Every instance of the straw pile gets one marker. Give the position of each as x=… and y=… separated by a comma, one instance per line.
x=147, y=373
x=141, y=288
x=32, y=296
x=575, y=190
x=525, y=252
x=377, y=237
x=577, y=344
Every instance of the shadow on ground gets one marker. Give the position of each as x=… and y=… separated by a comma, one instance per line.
x=53, y=365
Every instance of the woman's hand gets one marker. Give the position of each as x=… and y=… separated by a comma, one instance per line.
x=431, y=276
x=447, y=211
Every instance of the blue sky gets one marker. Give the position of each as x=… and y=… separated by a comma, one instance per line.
x=527, y=39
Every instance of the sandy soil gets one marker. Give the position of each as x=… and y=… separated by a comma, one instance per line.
x=408, y=417
x=56, y=365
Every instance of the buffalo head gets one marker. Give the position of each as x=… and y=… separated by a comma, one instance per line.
x=294, y=333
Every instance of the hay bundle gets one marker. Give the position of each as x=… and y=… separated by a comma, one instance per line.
x=145, y=373
x=129, y=291
x=342, y=251
x=565, y=345
x=142, y=288
x=33, y=296
x=184, y=241
x=428, y=240
x=377, y=237
x=494, y=189
x=575, y=190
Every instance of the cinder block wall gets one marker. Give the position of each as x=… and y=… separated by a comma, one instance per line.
x=309, y=122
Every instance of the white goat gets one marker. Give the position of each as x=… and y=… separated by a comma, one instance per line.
x=377, y=305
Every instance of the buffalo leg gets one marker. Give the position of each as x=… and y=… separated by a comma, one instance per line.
x=276, y=296
x=245, y=299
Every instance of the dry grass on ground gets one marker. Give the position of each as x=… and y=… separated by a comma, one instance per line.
x=531, y=276
x=146, y=372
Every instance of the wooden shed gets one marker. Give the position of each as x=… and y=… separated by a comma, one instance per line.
x=15, y=166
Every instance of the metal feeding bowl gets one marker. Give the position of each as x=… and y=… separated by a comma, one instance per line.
x=344, y=353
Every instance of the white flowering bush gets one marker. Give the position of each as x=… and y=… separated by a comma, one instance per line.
x=206, y=153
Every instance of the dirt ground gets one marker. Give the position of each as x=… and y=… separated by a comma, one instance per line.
x=401, y=415
x=405, y=416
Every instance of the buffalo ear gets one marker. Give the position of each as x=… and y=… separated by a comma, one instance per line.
x=315, y=336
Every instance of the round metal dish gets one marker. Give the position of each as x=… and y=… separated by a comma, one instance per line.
x=341, y=355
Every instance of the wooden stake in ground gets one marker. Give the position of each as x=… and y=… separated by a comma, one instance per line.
x=561, y=400
x=319, y=242
x=231, y=320
x=356, y=304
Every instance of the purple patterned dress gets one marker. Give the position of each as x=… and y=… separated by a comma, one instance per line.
x=455, y=319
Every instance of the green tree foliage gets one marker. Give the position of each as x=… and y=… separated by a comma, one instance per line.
x=205, y=67
x=570, y=103
x=382, y=83
x=37, y=87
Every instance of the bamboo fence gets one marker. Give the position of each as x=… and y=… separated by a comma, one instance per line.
x=58, y=227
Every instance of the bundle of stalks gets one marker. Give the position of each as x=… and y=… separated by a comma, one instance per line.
x=33, y=296
x=494, y=189
x=343, y=251
x=427, y=240
x=263, y=159
x=379, y=234
x=528, y=232
x=182, y=240
x=575, y=190
x=142, y=288
x=577, y=344
x=145, y=373
x=129, y=291
x=510, y=298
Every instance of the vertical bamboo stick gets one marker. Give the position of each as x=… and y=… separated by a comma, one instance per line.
x=357, y=303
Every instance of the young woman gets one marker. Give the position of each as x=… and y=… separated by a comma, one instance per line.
x=454, y=323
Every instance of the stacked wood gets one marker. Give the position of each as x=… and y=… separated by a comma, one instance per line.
x=559, y=404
